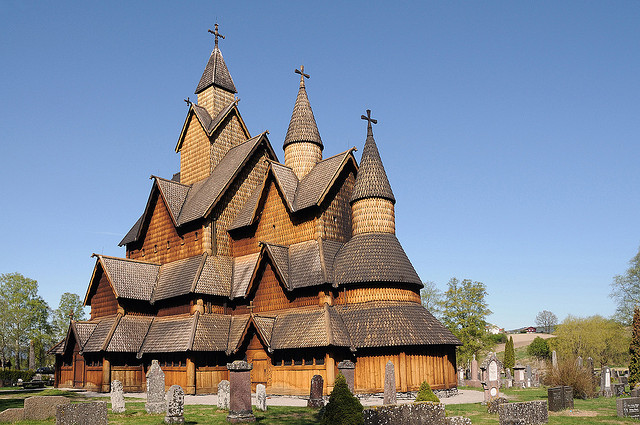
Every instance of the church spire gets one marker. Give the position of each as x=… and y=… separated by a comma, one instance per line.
x=216, y=72
x=302, y=144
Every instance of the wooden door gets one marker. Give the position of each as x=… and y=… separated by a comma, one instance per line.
x=258, y=373
x=78, y=370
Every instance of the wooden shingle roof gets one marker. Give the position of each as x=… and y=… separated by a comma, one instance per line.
x=129, y=334
x=216, y=73
x=169, y=334
x=372, y=181
x=302, y=127
x=132, y=279
x=212, y=333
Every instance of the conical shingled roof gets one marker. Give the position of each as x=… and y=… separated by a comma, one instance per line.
x=372, y=181
x=302, y=127
x=216, y=73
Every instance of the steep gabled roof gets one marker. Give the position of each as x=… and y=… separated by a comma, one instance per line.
x=244, y=269
x=302, y=127
x=169, y=334
x=373, y=257
x=372, y=181
x=216, y=276
x=309, y=328
x=393, y=323
x=298, y=195
x=101, y=335
x=174, y=195
x=178, y=277
x=212, y=333
x=129, y=334
x=216, y=73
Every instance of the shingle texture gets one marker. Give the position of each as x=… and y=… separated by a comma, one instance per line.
x=216, y=73
x=129, y=334
x=309, y=328
x=373, y=257
x=243, y=268
x=83, y=330
x=238, y=325
x=210, y=124
x=132, y=234
x=382, y=324
x=287, y=180
x=212, y=333
x=168, y=335
x=302, y=127
x=178, y=277
x=131, y=279
x=99, y=335
x=265, y=326
x=372, y=181
x=305, y=265
x=174, y=194
x=216, y=275
x=280, y=255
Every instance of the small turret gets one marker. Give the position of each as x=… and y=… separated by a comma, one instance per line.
x=302, y=144
x=372, y=200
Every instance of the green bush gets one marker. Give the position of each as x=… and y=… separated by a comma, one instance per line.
x=634, y=350
x=500, y=338
x=539, y=348
x=343, y=408
x=425, y=393
x=14, y=375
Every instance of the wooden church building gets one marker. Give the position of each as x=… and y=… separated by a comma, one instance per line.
x=292, y=266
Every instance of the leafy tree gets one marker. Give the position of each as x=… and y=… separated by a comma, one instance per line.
x=509, y=354
x=604, y=340
x=538, y=348
x=431, y=298
x=625, y=290
x=634, y=350
x=343, y=407
x=464, y=312
x=70, y=304
x=547, y=320
x=23, y=312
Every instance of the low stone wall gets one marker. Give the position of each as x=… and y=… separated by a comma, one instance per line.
x=93, y=413
x=526, y=413
x=457, y=420
x=406, y=414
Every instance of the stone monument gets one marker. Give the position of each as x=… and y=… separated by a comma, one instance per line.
x=240, y=392
x=628, y=407
x=223, y=395
x=491, y=376
x=117, y=397
x=389, y=384
x=261, y=397
x=518, y=376
x=605, y=382
x=315, y=396
x=175, y=405
x=155, y=389
x=528, y=376
x=554, y=359
x=348, y=368
x=474, y=381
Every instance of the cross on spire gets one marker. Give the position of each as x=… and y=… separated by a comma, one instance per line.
x=302, y=74
x=216, y=34
x=187, y=101
x=369, y=119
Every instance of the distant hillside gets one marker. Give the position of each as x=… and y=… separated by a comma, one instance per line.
x=522, y=340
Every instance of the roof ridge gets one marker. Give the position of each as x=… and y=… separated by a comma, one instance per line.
x=194, y=326
x=153, y=176
x=107, y=340
x=144, y=338
x=130, y=260
x=216, y=73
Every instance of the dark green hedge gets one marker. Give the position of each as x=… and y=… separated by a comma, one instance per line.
x=14, y=375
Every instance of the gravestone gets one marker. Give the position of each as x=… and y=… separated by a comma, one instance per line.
x=536, y=377
x=590, y=368
x=93, y=413
x=526, y=412
x=492, y=405
x=223, y=395
x=618, y=390
x=405, y=414
x=519, y=376
x=39, y=408
x=528, y=376
x=347, y=368
x=460, y=376
x=175, y=405
x=560, y=398
x=261, y=397
x=491, y=376
x=117, y=397
x=389, y=384
x=624, y=380
x=605, y=382
x=554, y=359
x=568, y=397
x=240, y=392
x=628, y=407
x=474, y=381
x=155, y=389
x=315, y=396
x=635, y=392
x=579, y=361
x=13, y=414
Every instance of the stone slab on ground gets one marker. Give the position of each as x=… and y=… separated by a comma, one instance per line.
x=92, y=413
x=13, y=414
x=526, y=412
x=39, y=408
x=406, y=414
x=628, y=407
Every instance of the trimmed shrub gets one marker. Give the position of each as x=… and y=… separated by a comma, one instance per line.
x=13, y=375
x=568, y=373
x=500, y=338
x=343, y=407
x=634, y=350
x=425, y=393
x=539, y=348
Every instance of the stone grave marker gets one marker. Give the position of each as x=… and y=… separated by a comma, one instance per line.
x=117, y=397
x=223, y=395
x=13, y=414
x=175, y=405
x=605, y=382
x=628, y=407
x=315, y=396
x=460, y=376
x=92, y=413
x=618, y=390
x=579, y=361
x=491, y=376
x=555, y=397
x=590, y=367
x=624, y=380
x=261, y=397
x=39, y=408
x=528, y=376
x=347, y=368
x=554, y=359
x=474, y=381
x=155, y=389
x=635, y=392
x=526, y=412
x=568, y=397
x=519, y=378
x=240, y=392
x=390, y=396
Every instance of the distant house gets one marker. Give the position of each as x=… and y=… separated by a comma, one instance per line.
x=493, y=329
x=530, y=330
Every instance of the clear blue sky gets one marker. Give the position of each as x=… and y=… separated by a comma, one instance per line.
x=509, y=130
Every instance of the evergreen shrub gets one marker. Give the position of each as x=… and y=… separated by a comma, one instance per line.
x=11, y=375
x=634, y=350
x=425, y=393
x=343, y=407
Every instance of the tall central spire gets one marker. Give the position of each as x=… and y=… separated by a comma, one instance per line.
x=216, y=72
x=302, y=144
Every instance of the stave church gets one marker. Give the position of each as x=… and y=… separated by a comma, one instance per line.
x=291, y=266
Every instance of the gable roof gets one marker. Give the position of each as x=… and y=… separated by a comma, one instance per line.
x=208, y=123
x=129, y=334
x=298, y=195
x=169, y=334
x=216, y=73
x=178, y=277
x=312, y=328
x=101, y=334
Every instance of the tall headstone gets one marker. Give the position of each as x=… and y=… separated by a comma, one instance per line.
x=155, y=389
x=579, y=361
x=175, y=405
x=605, y=382
x=519, y=376
x=474, y=381
x=223, y=395
x=491, y=367
x=528, y=376
x=240, y=392
x=261, y=397
x=389, y=384
x=348, y=368
x=554, y=359
x=32, y=355
x=460, y=376
x=117, y=397
x=591, y=370
x=555, y=396
x=315, y=396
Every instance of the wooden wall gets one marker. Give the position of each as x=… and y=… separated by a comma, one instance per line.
x=160, y=242
x=103, y=301
x=335, y=221
x=387, y=293
x=132, y=377
x=208, y=378
x=270, y=294
x=195, y=159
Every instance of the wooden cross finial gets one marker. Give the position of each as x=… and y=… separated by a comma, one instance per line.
x=369, y=119
x=302, y=74
x=216, y=34
x=188, y=101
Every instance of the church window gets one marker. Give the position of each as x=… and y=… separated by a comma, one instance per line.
x=196, y=236
x=143, y=252
x=168, y=245
x=155, y=248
